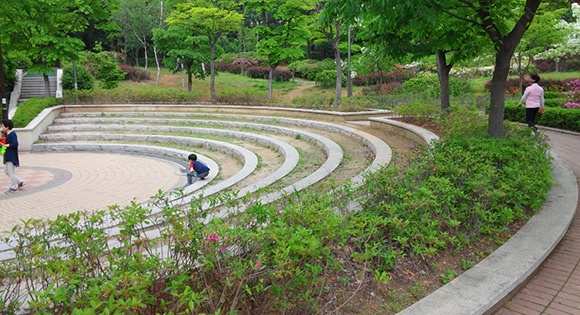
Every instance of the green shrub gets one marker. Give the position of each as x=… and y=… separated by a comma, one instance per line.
x=462, y=121
x=106, y=69
x=556, y=117
x=395, y=76
x=29, y=109
x=418, y=109
x=551, y=95
x=315, y=101
x=464, y=187
x=137, y=96
x=327, y=79
x=309, y=69
x=429, y=85
x=555, y=102
x=85, y=80
x=278, y=256
x=241, y=96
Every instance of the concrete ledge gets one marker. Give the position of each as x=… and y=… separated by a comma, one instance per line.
x=231, y=109
x=382, y=151
x=30, y=134
x=415, y=133
x=291, y=155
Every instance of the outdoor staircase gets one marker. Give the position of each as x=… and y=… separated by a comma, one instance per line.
x=30, y=85
x=33, y=86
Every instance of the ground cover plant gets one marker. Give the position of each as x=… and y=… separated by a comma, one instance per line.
x=309, y=253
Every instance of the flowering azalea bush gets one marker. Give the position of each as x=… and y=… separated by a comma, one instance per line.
x=574, y=94
x=307, y=253
x=572, y=105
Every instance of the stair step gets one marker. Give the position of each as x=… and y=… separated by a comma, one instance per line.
x=35, y=87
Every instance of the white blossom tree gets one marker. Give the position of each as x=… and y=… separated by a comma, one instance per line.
x=572, y=43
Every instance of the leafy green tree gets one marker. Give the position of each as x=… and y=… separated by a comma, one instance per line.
x=211, y=19
x=330, y=26
x=505, y=23
x=84, y=79
x=543, y=34
x=332, y=19
x=282, y=30
x=41, y=31
x=106, y=68
x=415, y=30
x=137, y=19
x=184, y=52
x=455, y=25
x=571, y=44
x=8, y=66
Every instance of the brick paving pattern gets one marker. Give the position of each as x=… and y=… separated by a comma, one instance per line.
x=61, y=183
x=555, y=288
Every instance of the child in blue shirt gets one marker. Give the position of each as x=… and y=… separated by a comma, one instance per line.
x=196, y=169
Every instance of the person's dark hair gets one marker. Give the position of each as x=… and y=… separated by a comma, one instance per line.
x=192, y=157
x=535, y=77
x=8, y=123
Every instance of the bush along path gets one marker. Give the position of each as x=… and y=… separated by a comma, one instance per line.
x=306, y=251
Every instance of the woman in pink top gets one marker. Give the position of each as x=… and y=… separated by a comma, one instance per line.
x=534, y=97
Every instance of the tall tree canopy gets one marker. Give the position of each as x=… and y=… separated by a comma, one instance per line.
x=415, y=30
x=503, y=22
x=211, y=19
x=282, y=30
x=184, y=52
x=43, y=31
x=571, y=45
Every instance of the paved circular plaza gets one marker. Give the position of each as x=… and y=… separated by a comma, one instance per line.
x=61, y=183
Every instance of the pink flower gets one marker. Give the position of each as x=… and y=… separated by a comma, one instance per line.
x=279, y=212
x=224, y=250
x=258, y=265
x=213, y=237
x=572, y=105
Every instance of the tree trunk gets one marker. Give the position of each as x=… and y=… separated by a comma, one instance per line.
x=270, y=79
x=505, y=47
x=3, y=85
x=145, y=54
x=125, y=50
x=497, y=94
x=46, y=85
x=189, y=82
x=212, y=71
x=348, y=72
x=335, y=42
x=182, y=74
x=520, y=70
x=443, y=70
x=157, y=63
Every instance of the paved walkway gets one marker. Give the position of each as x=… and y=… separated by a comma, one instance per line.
x=61, y=183
x=555, y=289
